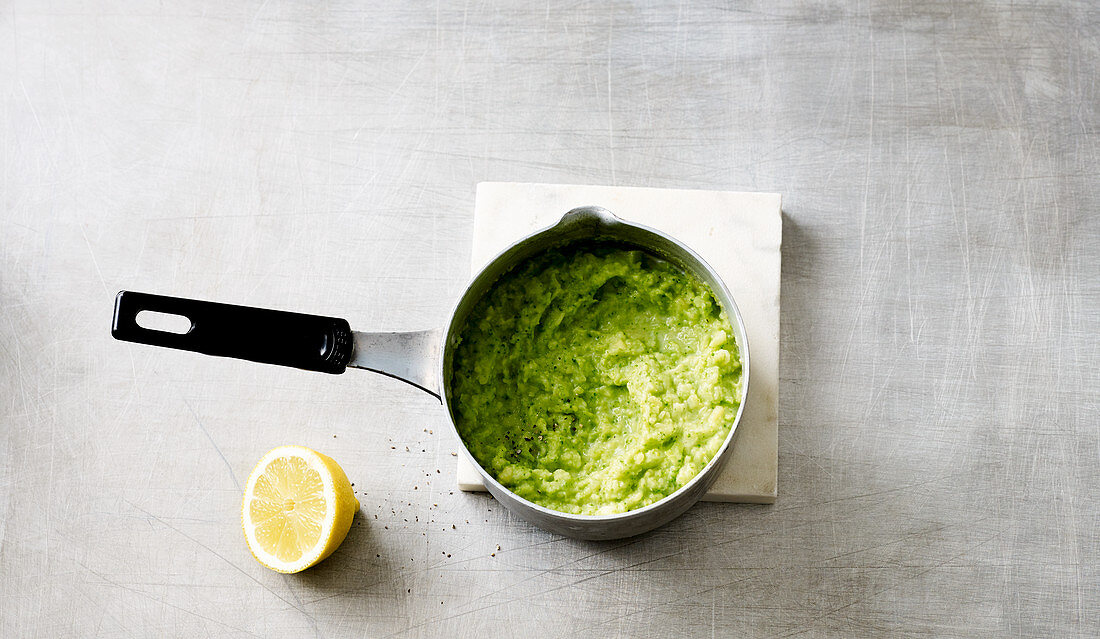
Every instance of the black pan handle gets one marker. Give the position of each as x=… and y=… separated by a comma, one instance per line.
x=310, y=342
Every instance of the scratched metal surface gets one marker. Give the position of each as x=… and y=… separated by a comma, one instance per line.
x=939, y=450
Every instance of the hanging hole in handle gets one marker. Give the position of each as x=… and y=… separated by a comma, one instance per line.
x=164, y=322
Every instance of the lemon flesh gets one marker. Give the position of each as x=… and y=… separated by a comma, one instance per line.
x=298, y=506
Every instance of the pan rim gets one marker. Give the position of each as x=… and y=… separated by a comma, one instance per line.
x=607, y=221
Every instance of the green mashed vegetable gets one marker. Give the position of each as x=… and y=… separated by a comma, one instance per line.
x=595, y=379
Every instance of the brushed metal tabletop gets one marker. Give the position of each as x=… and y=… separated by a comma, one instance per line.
x=939, y=448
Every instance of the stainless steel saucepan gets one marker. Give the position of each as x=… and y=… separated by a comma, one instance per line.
x=423, y=358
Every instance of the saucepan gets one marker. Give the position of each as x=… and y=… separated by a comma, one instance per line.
x=423, y=358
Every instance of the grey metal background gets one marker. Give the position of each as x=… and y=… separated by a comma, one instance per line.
x=939, y=449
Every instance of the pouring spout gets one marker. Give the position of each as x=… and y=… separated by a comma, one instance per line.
x=411, y=357
x=588, y=216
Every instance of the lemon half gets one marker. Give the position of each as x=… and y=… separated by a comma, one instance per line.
x=297, y=509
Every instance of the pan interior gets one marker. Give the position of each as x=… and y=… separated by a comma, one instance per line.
x=619, y=236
